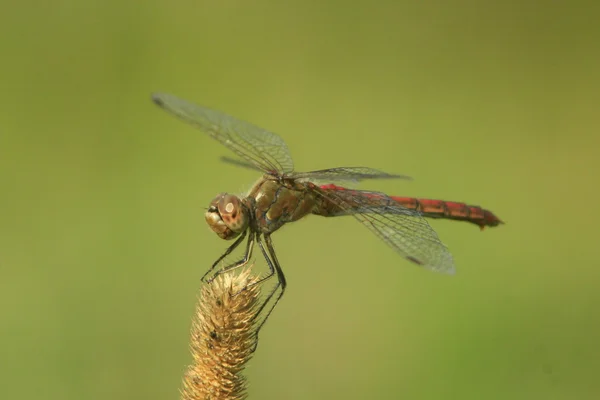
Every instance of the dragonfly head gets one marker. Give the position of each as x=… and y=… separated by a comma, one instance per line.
x=227, y=216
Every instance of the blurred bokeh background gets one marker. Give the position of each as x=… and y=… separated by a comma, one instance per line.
x=102, y=235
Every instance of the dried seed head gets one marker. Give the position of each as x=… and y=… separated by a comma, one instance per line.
x=223, y=338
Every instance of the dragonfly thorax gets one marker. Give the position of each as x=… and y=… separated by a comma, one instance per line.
x=227, y=216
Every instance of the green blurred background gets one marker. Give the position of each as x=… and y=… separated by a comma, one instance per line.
x=102, y=235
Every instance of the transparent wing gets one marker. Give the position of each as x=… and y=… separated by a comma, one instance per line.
x=263, y=149
x=346, y=174
x=239, y=163
x=349, y=174
x=404, y=230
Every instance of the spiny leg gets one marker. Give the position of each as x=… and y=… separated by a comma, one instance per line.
x=240, y=263
x=274, y=268
x=227, y=252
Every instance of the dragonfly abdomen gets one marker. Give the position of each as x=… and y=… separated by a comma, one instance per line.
x=450, y=210
x=378, y=202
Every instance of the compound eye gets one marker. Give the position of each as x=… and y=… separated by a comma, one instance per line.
x=232, y=212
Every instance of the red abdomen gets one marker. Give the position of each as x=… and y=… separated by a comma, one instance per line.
x=442, y=209
x=450, y=210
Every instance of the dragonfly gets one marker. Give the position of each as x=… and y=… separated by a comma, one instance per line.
x=282, y=195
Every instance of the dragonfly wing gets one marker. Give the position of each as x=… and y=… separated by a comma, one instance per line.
x=239, y=163
x=348, y=174
x=261, y=148
x=404, y=230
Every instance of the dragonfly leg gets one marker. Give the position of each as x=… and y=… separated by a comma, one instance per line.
x=274, y=269
x=239, y=263
x=227, y=252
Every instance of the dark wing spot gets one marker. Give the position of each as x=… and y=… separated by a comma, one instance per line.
x=409, y=258
x=157, y=100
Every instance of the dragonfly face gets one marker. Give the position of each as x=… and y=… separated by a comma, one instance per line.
x=227, y=216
